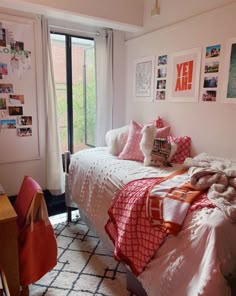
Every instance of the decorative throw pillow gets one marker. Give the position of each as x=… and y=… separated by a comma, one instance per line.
x=132, y=150
x=159, y=122
x=183, y=150
x=116, y=139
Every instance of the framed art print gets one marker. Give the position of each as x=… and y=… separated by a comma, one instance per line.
x=184, y=75
x=143, y=80
x=229, y=83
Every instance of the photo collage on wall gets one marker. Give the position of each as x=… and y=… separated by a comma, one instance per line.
x=210, y=73
x=14, y=61
x=161, y=77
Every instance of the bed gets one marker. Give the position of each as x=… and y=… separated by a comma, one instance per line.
x=198, y=261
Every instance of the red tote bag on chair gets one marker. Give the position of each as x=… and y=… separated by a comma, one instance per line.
x=37, y=246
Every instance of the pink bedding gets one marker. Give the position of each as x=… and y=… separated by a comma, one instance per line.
x=137, y=236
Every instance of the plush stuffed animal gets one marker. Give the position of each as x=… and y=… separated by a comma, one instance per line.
x=146, y=143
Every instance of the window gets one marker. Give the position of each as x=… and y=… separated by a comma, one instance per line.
x=74, y=73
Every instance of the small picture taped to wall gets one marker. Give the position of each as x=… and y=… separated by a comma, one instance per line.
x=161, y=72
x=17, y=46
x=8, y=123
x=3, y=70
x=162, y=60
x=24, y=132
x=210, y=81
x=3, y=104
x=16, y=99
x=212, y=67
x=209, y=96
x=15, y=110
x=161, y=84
x=160, y=95
x=6, y=88
x=213, y=51
x=24, y=120
x=3, y=114
x=3, y=37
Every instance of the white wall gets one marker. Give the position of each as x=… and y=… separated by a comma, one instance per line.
x=172, y=12
x=210, y=125
x=120, y=15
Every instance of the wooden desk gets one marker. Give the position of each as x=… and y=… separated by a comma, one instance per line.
x=8, y=245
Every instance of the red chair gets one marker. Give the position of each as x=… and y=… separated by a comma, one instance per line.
x=36, y=239
x=4, y=291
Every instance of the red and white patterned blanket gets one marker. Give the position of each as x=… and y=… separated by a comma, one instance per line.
x=133, y=234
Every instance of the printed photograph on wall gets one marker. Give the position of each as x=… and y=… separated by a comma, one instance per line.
x=184, y=78
x=16, y=99
x=24, y=132
x=8, y=123
x=213, y=51
x=161, y=77
x=229, y=86
x=211, y=66
x=24, y=120
x=15, y=110
x=3, y=104
x=143, y=82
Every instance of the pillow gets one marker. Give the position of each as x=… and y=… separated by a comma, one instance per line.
x=159, y=122
x=116, y=139
x=132, y=150
x=183, y=150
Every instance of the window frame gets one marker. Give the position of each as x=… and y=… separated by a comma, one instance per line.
x=69, y=91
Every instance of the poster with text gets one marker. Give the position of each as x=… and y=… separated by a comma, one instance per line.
x=184, y=78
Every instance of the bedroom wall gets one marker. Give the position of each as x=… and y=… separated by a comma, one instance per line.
x=172, y=12
x=120, y=15
x=211, y=125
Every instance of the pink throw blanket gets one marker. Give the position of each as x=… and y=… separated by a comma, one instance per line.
x=134, y=237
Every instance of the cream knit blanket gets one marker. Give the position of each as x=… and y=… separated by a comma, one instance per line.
x=219, y=176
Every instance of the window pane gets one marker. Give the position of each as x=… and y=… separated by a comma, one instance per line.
x=78, y=46
x=59, y=65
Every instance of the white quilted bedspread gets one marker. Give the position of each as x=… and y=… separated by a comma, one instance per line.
x=190, y=264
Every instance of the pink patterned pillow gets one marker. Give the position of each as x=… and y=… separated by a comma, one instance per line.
x=183, y=150
x=132, y=150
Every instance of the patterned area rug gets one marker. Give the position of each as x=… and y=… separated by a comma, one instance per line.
x=85, y=267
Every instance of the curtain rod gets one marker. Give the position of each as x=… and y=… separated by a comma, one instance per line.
x=97, y=33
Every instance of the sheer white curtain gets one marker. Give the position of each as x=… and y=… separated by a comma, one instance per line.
x=54, y=169
x=104, y=74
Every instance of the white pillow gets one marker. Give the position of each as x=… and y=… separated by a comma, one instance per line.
x=116, y=139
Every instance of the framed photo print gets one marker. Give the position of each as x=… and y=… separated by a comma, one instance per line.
x=184, y=75
x=210, y=73
x=143, y=80
x=160, y=78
